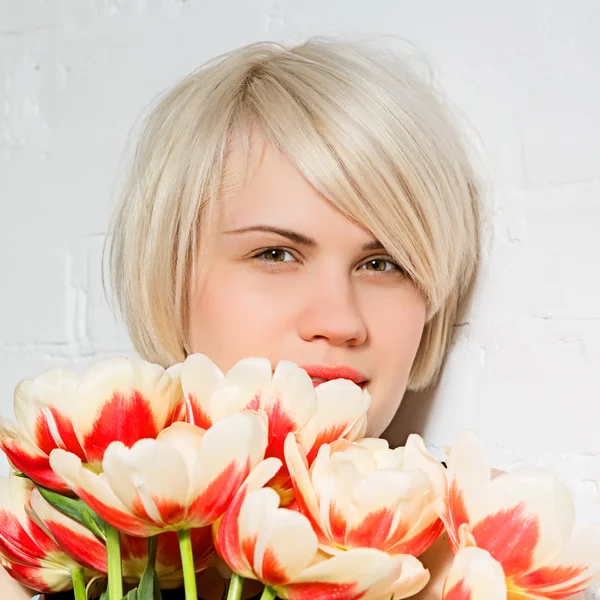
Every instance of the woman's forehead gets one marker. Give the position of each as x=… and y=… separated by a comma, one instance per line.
x=271, y=192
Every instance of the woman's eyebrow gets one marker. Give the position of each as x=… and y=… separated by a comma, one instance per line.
x=293, y=236
x=299, y=238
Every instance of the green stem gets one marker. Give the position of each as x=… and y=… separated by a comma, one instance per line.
x=78, y=584
x=268, y=593
x=115, y=577
x=235, y=587
x=187, y=563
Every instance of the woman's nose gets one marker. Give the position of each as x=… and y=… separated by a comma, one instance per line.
x=330, y=311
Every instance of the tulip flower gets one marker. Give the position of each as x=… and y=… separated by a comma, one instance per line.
x=84, y=547
x=116, y=400
x=316, y=416
x=27, y=552
x=366, y=495
x=523, y=519
x=277, y=546
x=475, y=575
x=182, y=480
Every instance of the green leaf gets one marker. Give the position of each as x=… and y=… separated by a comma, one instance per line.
x=93, y=522
x=148, y=587
x=77, y=510
x=104, y=595
x=131, y=595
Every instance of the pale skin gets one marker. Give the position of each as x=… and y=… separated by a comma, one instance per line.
x=289, y=277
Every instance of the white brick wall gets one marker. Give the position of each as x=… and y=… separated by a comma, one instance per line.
x=525, y=371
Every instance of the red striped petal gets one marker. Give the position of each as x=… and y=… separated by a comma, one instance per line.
x=460, y=591
x=87, y=551
x=35, y=466
x=337, y=525
x=171, y=512
x=373, y=531
x=227, y=536
x=215, y=499
x=272, y=570
x=299, y=505
x=280, y=424
x=226, y=532
x=118, y=519
x=42, y=434
x=562, y=580
x=248, y=547
x=15, y=542
x=510, y=536
x=328, y=436
x=416, y=545
x=35, y=578
x=319, y=591
x=195, y=413
x=124, y=418
x=456, y=513
x=64, y=426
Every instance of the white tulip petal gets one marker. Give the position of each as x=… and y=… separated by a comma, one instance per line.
x=385, y=507
x=475, y=575
x=226, y=532
x=523, y=518
x=341, y=407
x=416, y=456
x=37, y=401
x=185, y=439
x=292, y=396
x=468, y=466
x=275, y=559
x=413, y=578
x=243, y=387
x=150, y=479
x=229, y=450
x=346, y=575
x=574, y=569
x=95, y=491
x=305, y=494
x=200, y=378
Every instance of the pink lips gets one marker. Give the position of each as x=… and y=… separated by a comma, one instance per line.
x=329, y=373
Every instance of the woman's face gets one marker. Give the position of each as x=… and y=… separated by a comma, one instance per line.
x=289, y=277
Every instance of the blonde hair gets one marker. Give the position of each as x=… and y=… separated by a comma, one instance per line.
x=364, y=130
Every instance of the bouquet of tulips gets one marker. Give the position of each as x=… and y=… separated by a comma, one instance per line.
x=134, y=478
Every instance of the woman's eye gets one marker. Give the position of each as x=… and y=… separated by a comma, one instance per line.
x=276, y=255
x=380, y=264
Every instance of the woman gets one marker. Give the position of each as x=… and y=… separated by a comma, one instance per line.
x=315, y=204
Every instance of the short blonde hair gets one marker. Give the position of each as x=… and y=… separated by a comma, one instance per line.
x=365, y=131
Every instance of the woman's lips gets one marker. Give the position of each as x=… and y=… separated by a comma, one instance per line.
x=320, y=374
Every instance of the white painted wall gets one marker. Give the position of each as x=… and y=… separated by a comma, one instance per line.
x=525, y=371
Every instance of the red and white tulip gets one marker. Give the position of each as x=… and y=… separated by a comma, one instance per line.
x=523, y=519
x=366, y=495
x=84, y=547
x=335, y=409
x=183, y=479
x=277, y=546
x=27, y=552
x=122, y=399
